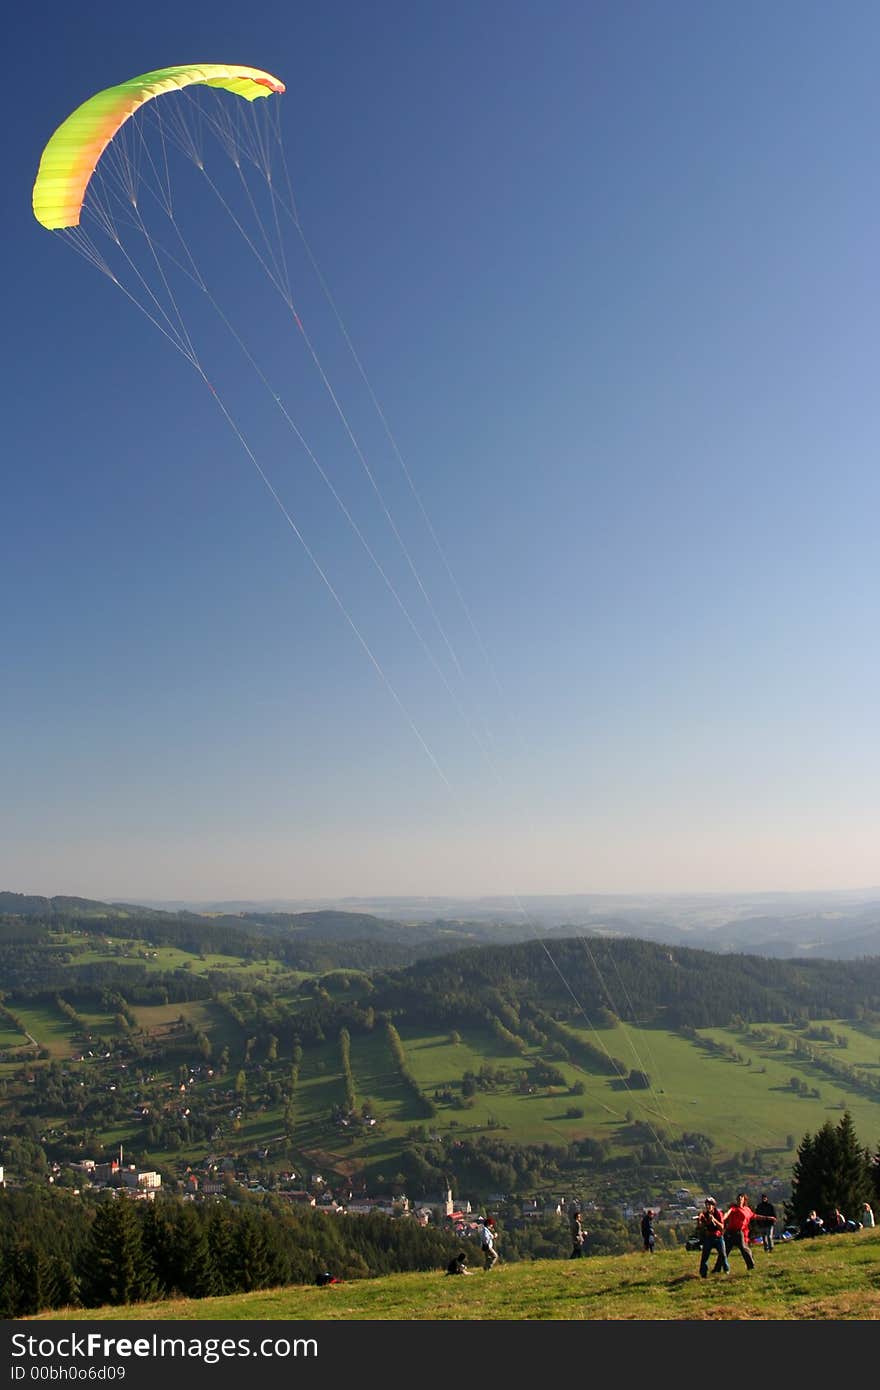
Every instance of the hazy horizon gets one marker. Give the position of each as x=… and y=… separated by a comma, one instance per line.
x=855, y=894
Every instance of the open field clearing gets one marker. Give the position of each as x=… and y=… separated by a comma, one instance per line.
x=49, y=1027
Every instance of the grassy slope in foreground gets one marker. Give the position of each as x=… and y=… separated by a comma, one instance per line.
x=834, y=1277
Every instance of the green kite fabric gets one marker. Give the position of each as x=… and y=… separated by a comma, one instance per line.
x=71, y=155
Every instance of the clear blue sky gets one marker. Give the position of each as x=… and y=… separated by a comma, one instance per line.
x=612, y=270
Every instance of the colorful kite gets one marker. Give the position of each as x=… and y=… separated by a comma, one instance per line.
x=71, y=155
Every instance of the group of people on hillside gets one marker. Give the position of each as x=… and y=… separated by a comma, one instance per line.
x=720, y=1232
x=836, y=1223
x=723, y=1231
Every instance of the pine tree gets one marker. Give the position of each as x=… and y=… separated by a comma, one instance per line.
x=157, y=1237
x=117, y=1269
x=10, y=1294
x=62, y=1283
x=854, y=1171
x=27, y=1271
x=259, y=1262
x=193, y=1266
x=221, y=1249
x=832, y=1170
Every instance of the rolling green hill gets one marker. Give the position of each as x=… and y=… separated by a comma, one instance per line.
x=588, y=1066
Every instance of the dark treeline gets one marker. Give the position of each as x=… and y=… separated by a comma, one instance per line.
x=40, y=978
x=57, y=1250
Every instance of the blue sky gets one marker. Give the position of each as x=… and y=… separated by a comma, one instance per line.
x=612, y=273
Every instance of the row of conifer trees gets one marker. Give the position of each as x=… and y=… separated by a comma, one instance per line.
x=58, y=1250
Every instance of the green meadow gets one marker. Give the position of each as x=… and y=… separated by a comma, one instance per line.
x=835, y=1277
x=736, y=1103
x=739, y=1087
x=49, y=1027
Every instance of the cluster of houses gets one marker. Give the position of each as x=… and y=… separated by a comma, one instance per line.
x=221, y=1177
x=348, y=1199
x=138, y=1183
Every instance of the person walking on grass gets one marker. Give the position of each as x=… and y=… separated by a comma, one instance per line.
x=736, y=1231
x=765, y=1222
x=579, y=1235
x=710, y=1228
x=487, y=1245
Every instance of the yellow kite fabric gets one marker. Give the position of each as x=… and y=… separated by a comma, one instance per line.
x=70, y=157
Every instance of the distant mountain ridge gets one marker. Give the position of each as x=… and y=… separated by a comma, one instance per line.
x=32, y=905
x=833, y=926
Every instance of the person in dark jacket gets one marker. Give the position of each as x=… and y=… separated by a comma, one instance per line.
x=764, y=1222
x=458, y=1265
x=648, y=1236
x=578, y=1235
x=813, y=1225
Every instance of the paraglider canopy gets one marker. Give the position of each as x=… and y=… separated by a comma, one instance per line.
x=72, y=153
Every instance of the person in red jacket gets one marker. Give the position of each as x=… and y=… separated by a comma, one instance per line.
x=736, y=1230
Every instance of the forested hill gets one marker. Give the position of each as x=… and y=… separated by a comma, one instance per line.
x=38, y=952
x=422, y=969
x=32, y=905
x=315, y=940
x=639, y=981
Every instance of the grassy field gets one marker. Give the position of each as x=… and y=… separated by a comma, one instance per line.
x=747, y=1102
x=89, y=949
x=739, y=1101
x=836, y=1277
x=49, y=1027
x=202, y=1014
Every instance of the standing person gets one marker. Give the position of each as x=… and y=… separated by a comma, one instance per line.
x=710, y=1227
x=574, y=1219
x=736, y=1231
x=648, y=1231
x=578, y=1241
x=867, y=1216
x=578, y=1235
x=765, y=1221
x=487, y=1245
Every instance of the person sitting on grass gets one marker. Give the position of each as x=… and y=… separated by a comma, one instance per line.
x=812, y=1225
x=458, y=1265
